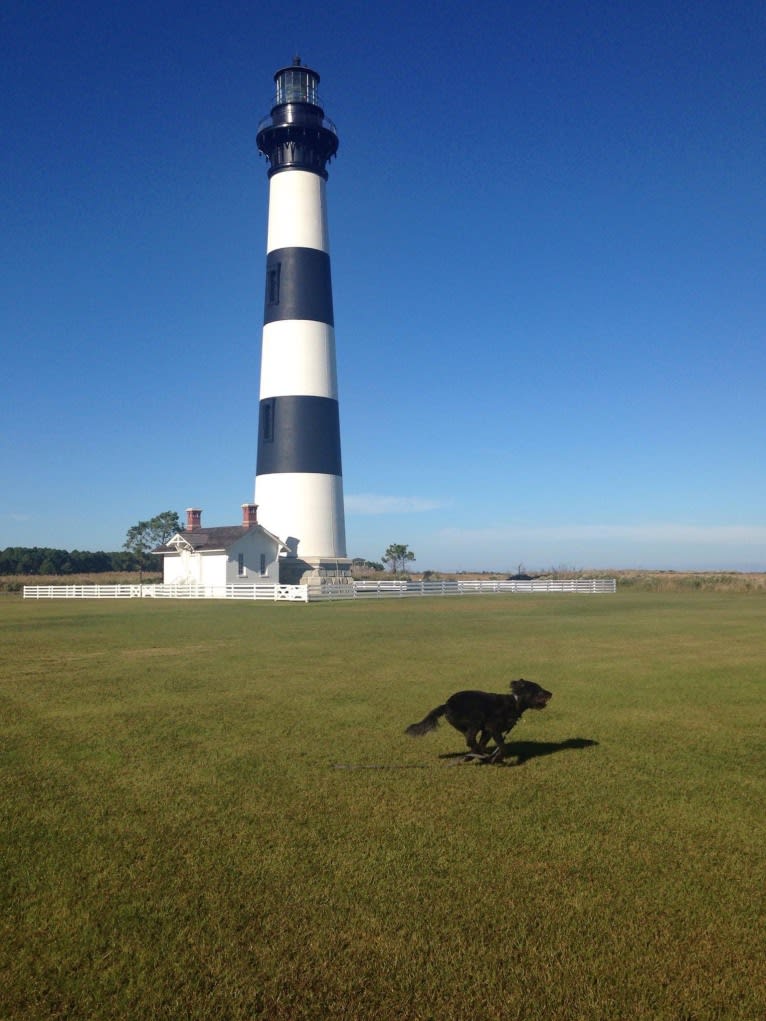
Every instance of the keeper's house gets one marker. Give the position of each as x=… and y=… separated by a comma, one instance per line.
x=245, y=554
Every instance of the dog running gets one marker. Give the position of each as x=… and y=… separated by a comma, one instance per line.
x=481, y=715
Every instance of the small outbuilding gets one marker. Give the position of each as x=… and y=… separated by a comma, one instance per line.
x=245, y=554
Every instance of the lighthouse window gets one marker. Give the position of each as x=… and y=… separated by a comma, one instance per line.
x=267, y=421
x=272, y=284
x=263, y=563
x=241, y=570
x=297, y=85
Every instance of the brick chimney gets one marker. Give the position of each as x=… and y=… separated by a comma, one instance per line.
x=193, y=519
x=249, y=515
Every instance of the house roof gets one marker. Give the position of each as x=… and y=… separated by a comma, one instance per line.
x=217, y=538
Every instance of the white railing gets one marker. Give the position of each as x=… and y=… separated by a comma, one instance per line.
x=393, y=588
x=83, y=591
x=274, y=593
x=317, y=593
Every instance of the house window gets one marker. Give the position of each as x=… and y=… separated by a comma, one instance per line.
x=272, y=283
x=241, y=569
x=263, y=563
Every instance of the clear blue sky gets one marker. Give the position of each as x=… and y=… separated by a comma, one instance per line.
x=548, y=231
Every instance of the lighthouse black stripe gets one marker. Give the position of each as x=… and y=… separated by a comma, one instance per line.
x=298, y=285
x=299, y=434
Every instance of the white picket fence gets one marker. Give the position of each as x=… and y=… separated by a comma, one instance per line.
x=319, y=593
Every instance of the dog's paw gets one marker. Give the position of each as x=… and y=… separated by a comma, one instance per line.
x=479, y=757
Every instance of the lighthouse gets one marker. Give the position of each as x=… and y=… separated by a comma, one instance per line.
x=299, y=482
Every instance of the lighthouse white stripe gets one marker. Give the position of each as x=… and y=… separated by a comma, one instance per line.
x=297, y=212
x=298, y=357
x=282, y=501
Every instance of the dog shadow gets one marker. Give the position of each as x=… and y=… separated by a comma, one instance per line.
x=523, y=751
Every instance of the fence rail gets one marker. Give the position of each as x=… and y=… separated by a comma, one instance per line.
x=319, y=593
x=393, y=589
x=272, y=593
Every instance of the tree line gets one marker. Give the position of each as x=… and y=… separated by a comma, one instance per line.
x=43, y=560
x=135, y=554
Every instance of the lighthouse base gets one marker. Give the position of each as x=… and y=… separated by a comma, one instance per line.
x=313, y=570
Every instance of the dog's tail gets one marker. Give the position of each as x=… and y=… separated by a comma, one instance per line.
x=428, y=723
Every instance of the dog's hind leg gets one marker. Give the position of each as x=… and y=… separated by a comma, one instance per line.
x=470, y=740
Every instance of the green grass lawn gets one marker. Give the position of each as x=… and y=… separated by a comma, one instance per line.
x=190, y=829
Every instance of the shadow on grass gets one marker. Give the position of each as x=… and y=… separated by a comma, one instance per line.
x=523, y=751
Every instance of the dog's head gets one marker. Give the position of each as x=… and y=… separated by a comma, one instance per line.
x=530, y=695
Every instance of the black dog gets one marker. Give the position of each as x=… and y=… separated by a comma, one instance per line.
x=483, y=714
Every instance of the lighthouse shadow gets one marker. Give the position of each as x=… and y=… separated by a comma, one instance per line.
x=520, y=752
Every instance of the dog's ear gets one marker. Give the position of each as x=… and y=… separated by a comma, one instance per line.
x=516, y=685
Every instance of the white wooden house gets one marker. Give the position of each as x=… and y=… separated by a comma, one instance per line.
x=244, y=554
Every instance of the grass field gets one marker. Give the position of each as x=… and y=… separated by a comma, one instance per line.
x=210, y=811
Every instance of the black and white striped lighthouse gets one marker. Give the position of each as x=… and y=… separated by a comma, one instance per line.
x=299, y=484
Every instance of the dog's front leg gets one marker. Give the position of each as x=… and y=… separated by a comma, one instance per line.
x=500, y=751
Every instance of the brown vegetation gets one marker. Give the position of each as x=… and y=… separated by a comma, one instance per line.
x=14, y=583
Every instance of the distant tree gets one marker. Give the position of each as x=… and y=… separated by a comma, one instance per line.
x=398, y=555
x=120, y=561
x=100, y=562
x=147, y=535
x=29, y=561
x=80, y=561
x=55, y=561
